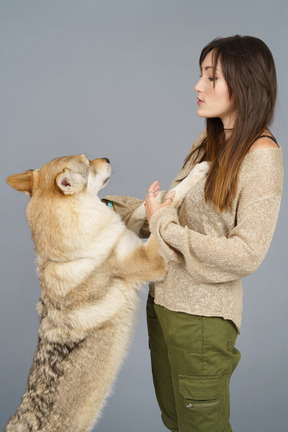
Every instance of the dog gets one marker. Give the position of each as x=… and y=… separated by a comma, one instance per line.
x=90, y=267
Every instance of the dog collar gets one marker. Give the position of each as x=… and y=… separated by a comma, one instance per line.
x=108, y=203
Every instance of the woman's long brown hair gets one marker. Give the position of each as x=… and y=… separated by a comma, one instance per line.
x=250, y=74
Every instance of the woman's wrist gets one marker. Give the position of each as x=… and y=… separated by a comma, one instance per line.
x=163, y=214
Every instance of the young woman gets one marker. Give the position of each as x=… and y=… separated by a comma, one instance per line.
x=221, y=233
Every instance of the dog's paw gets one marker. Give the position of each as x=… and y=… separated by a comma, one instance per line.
x=160, y=196
x=201, y=169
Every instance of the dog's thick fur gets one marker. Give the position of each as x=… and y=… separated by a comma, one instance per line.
x=90, y=268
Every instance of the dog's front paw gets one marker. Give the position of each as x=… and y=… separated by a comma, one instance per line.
x=160, y=196
x=201, y=169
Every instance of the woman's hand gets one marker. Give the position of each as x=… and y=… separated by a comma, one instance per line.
x=151, y=203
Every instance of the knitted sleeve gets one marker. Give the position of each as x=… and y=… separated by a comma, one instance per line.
x=221, y=259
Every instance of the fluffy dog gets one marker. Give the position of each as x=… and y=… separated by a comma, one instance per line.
x=90, y=268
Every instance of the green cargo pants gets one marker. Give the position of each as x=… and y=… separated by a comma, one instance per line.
x=193, y=358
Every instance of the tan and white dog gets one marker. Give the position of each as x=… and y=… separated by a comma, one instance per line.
x=90, y=268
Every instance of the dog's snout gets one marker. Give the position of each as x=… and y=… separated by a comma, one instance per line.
x=107, y=160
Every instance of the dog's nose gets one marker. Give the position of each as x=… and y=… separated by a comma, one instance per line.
x=107, y=160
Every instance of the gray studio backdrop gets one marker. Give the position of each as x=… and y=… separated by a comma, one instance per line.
x=116, y=78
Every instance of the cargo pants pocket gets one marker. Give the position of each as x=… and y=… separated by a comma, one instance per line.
x=204, y=403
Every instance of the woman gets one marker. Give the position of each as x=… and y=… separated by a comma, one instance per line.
x=221, y=233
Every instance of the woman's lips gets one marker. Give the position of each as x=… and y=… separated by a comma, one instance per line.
x=199, y=101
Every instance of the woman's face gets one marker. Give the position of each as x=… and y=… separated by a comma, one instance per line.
x=213, y=96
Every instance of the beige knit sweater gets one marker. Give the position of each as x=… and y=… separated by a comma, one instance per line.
x=208, y=252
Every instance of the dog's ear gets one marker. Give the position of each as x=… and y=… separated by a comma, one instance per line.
x=70, y=182
x=21, y=182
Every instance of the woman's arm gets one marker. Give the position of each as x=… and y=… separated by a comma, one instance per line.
x=220, y=259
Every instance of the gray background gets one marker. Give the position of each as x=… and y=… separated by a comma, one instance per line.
x=116, y=78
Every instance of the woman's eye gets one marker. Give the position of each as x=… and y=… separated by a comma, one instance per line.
x=208, y=78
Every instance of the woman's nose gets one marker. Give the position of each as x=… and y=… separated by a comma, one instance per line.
x=198, y=86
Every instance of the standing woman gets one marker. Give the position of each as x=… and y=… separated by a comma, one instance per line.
x=221, y=233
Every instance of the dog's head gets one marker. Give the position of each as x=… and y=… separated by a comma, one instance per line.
x=67, y=175
x=64, y=207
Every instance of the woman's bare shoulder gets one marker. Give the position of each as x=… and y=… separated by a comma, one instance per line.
x=264, y=141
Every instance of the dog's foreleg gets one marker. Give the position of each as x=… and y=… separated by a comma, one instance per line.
x=142, y=264
x=152, y=246
x=138, y=216
x=145, y=263
x=137, y=219
x=197, y=174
